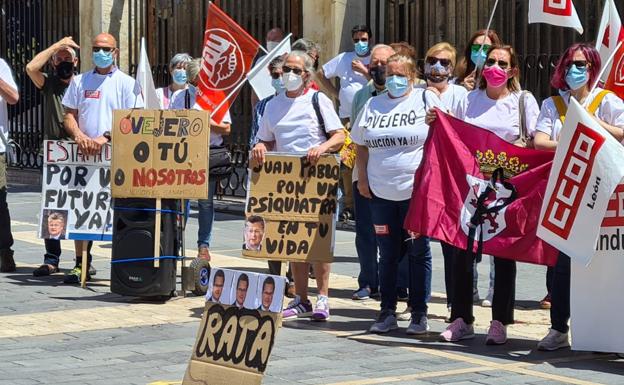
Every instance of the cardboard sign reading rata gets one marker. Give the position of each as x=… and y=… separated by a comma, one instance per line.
x=75, y=193
x=160, y=154
x=291, y=208
x=232, y=347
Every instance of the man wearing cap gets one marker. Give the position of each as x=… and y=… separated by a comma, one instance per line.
x=89, y=103
x=63, y=60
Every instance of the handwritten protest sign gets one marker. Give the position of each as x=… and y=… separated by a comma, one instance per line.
x=234, y=342
x=160, y=154
x=291, y=206
x=75, y=193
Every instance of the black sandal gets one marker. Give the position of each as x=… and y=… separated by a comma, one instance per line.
x=44, y=270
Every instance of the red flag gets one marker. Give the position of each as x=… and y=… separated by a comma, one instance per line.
x=615, y=81
x=228, y=53
x=457, y=163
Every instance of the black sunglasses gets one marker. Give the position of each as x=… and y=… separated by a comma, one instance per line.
x=287, y=69
x=275, y=75
x=578, y=63
x=432, y=60
x=501, y=63
x=105, y=49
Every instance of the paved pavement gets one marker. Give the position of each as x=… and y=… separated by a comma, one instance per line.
x=58, y=334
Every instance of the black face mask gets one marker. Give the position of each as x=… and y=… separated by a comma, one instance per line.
x=65, y=70
x=378, y=74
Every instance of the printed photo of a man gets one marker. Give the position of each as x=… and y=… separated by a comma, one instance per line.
x=268, y=289
x=55, y=226
x=218, y=282
x=242, y=286
x=254, y=233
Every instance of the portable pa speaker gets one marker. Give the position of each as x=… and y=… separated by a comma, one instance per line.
x=133, y=238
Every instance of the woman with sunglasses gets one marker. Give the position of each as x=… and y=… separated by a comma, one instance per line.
x=390, y=133
x=574, y=76
x=474, y=57
x=494, y=106
x=177, y=71
x=439, y=65
x=290, y=124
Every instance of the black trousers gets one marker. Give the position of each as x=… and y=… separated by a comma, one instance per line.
x=560, y=295
x=504, y=289
x=6, y=238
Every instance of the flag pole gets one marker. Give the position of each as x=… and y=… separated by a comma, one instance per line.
x=262, y=63
x=604, y=66
x=487, y=30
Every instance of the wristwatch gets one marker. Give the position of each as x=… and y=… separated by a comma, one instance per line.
x=107, y=135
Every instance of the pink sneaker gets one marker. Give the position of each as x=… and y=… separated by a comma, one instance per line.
x=497, y=334
x=457, y=330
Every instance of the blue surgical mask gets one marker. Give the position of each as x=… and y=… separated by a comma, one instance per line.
x=102, y=59
x=478, y=58
x=397, y=85
x=278, y=84
x=361, y=48
x=179, y=76
x=576, y=77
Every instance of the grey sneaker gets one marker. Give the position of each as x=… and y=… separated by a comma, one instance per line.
x=420, y=327
x=384, y=324
x=554, y=340
x=406, y=315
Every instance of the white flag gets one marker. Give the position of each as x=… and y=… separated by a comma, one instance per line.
x=145, y=80
x=555, y=12
x=588, y=165
x=260, y=77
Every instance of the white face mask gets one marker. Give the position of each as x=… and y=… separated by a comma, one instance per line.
x=271, y=45
x=291, y=81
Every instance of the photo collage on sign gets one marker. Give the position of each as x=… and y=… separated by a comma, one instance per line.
x=247, y=290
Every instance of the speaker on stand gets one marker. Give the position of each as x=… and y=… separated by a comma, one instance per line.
x=133, y=240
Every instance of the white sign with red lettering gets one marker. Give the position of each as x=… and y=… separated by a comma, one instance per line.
x=588, y=165
x=555, y=12
x=601, y=279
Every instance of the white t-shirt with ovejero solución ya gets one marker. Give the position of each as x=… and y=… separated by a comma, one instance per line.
x=394, y=131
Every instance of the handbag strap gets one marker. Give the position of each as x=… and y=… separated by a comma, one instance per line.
x=522, y=107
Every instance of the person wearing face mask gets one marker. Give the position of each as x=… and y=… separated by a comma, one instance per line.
x=290, y=124
x=574, y=76
x=314, y=51
x=185, y=99
x=365, y=242
x=351, y=68
x=63, y=60
x=177, y=70
x=390, y=133
x=89, y=103
x=495, y=106
x=439, y=65
x=273, y=37
x=474, y=57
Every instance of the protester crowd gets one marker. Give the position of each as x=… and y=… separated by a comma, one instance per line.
x=382, y=93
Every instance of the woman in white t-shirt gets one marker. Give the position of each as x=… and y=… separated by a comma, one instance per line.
x=177, y=71
x=390, y=133
x=290, y=125
x=575, y=73
x=494, y=106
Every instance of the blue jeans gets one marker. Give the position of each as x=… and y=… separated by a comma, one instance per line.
x=394, y=243
x=205, y=216
x=366, y=246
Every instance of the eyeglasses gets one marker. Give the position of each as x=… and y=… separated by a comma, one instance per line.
x=275, y=75
x=297, y=71
x=501, y=63
x=578, y=63
x=432, y=60
x=105, y=49
x=477, y=47
x=364, y=39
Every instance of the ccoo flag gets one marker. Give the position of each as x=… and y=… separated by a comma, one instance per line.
x=555, y=12
x=457, y=163
x=227, y=56
x=588, y=166
x=610, y=33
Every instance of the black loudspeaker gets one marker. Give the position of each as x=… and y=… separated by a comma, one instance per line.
x=133, y=238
